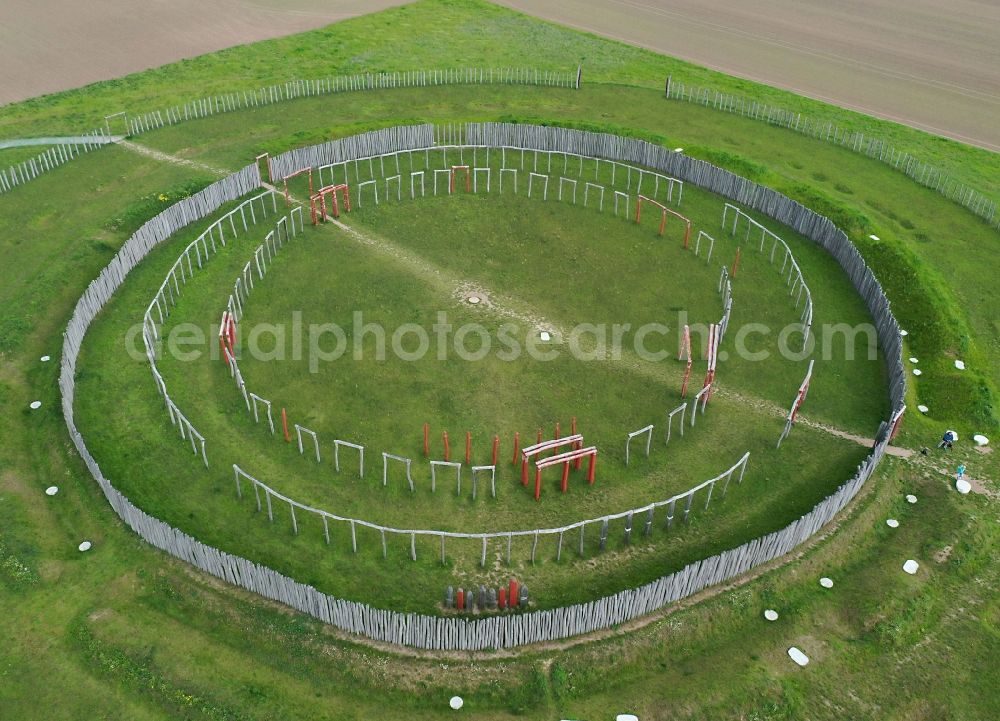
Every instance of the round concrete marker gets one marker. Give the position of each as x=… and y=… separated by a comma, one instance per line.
x=923, y=409
x=51, y=490
x=826, y=582
x=892, y=523
x=910, y=498
x=914, y=360
x=85, y=546
x=917, y=372
x=771, y=615
x=796, y=655
x=44, y=359
x=35, y=405
x=626, y=717
x=474, y=299
x=545, y=335
x=960, y=365
x=456, y=702
x=903, y=333
x=911, y=566
x=981, y=440
x=963, y=487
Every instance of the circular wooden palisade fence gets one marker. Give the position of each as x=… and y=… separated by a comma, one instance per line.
x=512, y=630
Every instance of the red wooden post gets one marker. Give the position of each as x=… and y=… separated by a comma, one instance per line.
x=284, y=426
x=496, y=448
x=468, y=447
x=512, y=594
x=539, y=436
x=895, y=426
x=687, y=235
x=224, y=350
x=736, y=264
x=565, y=477
x=638, y=209
x=447, y=447
x=524, y=471
x=576, y=446
x=460, y=599
x=687, y=377
x=427, y=439
x=502, y=598
x=663, y=221
x=557, y=435
x=517, y=443
x=590, y=468
x=538, y=483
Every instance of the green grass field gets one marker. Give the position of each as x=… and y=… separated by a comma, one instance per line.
x=125, y=632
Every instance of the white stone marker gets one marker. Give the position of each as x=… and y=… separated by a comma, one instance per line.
x=771, y=615
x=456, y=702
x=796, y=655
x=826, y=582
x=892, y=523
x=911, y=566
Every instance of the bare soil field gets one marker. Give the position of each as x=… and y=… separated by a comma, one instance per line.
x=52, y=45
x=928, y=64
